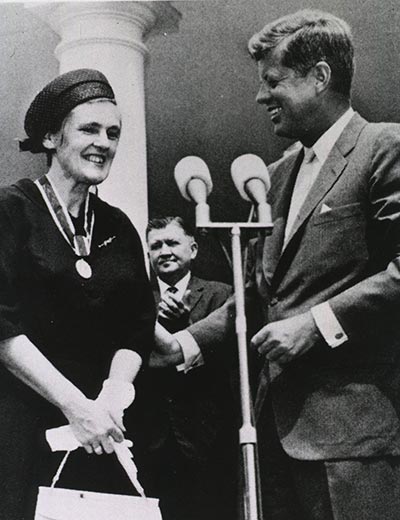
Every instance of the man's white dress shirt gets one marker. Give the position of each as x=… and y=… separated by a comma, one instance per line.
x=181, y=287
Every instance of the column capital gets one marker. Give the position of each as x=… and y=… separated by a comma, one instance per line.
x=119, y=23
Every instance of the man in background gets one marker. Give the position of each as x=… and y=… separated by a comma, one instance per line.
x=328, y=281
x=187, y=420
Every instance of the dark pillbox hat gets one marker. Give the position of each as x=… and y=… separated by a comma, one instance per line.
x=57, y=99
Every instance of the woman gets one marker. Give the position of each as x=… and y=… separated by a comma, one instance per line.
x=76, y=308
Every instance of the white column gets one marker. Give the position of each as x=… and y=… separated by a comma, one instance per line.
x=110, y=36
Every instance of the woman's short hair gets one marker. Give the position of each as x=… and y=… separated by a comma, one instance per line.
x=307, y=37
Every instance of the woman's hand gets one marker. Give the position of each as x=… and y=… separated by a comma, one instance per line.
x=94, y=426
x=116, y=396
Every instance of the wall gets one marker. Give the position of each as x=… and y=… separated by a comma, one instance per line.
x=27, y=63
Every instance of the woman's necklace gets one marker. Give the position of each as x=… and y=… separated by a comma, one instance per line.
x=80, y=244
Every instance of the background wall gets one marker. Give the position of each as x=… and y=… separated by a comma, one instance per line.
x=200, y=89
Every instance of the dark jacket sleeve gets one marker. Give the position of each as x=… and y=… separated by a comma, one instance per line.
x=370, y=306
x=217, y=330
x=139, y=331
x=10, y=258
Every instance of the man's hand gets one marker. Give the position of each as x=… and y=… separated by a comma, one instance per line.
x=285, y=340
x=170, y=308
x=168, y=352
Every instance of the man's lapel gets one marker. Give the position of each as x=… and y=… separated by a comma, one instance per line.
x=196, y=288
x=331, y=170
x=279, y=198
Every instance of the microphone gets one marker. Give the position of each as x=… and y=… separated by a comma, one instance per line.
x=194, y=182
x=251, y=178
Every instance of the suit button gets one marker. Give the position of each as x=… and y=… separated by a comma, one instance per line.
x=273, y=301
x=339, y=335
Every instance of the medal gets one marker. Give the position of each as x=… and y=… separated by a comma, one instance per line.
x=83, y=268
x=80, y=244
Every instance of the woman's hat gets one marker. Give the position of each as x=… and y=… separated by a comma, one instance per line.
x=49, y=108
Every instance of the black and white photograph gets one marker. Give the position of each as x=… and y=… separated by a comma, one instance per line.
x=200, y=260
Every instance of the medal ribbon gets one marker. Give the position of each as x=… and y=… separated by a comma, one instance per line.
x=80, y=244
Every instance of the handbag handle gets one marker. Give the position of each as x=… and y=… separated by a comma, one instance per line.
x=125, y=458
x=59, y=470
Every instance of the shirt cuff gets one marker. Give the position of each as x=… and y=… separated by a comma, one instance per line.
x=191, y=352
x=328, y=325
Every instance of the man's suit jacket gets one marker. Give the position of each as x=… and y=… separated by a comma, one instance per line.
x=342, y=402
x=196, y=408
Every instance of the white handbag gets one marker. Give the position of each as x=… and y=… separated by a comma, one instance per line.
x=70, y=504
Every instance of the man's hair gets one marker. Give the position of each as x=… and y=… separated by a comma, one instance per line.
x=163, y=222
x=307, y=37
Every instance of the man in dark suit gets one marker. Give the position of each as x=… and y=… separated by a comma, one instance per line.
x=187, y=419
x=328, y=281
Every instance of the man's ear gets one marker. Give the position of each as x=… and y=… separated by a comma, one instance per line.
x=49, y=141
x=194, y=247
x=322, y=73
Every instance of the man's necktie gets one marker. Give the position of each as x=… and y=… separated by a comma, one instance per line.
x=173, y=325
x=304, y=181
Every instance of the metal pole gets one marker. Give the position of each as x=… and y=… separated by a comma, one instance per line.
x=194, y=182
x=247, y=432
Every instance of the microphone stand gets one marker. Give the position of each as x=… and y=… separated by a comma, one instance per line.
x=247, y=432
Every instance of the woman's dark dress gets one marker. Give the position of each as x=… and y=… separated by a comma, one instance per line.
x=77, y=323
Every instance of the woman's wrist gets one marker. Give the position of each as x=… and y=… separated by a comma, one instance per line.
x=71, y=401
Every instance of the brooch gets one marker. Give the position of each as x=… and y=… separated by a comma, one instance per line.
x=107, y=242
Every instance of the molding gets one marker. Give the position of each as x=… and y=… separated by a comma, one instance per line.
x=152, y=17
x=71, y=44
